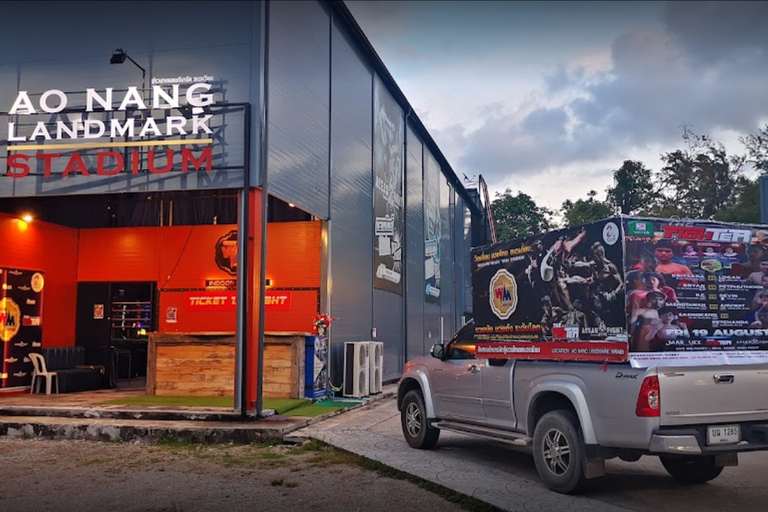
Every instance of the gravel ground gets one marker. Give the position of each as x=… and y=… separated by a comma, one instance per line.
x=81, y=476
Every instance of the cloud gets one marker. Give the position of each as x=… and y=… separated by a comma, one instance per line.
x=660, y=78
x=714, y=31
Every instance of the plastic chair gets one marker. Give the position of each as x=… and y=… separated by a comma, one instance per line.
x=40, y=371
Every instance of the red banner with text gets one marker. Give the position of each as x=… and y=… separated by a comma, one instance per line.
x=615, y=352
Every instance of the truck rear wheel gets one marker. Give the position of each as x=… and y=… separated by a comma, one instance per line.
x=558, y=452
x=694, y=469
x=413, y=418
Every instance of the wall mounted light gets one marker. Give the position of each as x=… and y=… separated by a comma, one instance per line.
x=119, y=56
x=27, y=218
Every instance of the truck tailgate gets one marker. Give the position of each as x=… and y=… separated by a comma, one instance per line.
x=715, y=394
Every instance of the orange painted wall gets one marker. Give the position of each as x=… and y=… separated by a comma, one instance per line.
x=182, y=258
x=52, y=249
x=178, y=257
x=293, y=254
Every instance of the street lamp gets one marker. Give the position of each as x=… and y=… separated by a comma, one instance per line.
x=119, y=56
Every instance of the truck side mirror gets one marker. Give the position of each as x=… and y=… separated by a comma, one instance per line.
x=438, y=350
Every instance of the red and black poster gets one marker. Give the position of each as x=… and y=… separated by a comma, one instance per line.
x=21, y=323
x=562, y=285
x=696, y=291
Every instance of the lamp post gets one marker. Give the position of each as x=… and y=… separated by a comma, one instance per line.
x=119, y=56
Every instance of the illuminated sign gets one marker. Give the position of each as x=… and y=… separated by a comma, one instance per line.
x=227, y=301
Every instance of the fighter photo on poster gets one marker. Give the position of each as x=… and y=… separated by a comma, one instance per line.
x=21, y=323
x=696, y=287
x=388, y=137
x=565, y=284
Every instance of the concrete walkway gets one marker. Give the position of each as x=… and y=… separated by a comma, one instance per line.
x=84, y=416
x=374, y=432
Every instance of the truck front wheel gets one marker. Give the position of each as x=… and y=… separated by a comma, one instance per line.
x=413, y=418
x=558, y=452
x=695, y=469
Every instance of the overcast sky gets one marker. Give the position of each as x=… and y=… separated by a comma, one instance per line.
x=549, y=98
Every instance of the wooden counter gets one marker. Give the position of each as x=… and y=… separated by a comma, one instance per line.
x=203, y=364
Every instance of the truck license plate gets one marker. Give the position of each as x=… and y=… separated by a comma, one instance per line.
x=725, y=434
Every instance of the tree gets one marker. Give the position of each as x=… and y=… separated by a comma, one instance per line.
x=700, y=181
x=757, y=149
x=585, y=211
x=518, y=216
x=632, y=188
x=747, y=207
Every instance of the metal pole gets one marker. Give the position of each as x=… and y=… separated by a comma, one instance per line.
x=263, y=160
x=243, y=304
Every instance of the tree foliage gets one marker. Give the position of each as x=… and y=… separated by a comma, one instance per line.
x=699, y=181
x=757, y=149
x=584, y=211
x=518, y=216
x=632, y=189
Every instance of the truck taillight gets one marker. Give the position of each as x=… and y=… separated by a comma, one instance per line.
x=649, y=399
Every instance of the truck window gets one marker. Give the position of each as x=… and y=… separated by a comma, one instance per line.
x=462, y=344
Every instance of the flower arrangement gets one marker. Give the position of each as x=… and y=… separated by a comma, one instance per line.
x=322, y=322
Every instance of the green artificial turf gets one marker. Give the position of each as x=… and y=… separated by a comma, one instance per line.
x=282, y=406
x=182, y=401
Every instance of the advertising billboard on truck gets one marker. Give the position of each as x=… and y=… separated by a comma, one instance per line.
x=669, y=292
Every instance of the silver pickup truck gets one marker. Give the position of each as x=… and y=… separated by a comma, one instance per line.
x=574, y=416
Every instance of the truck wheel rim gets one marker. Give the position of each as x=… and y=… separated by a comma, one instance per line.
x=557, y=452
x=413, y=419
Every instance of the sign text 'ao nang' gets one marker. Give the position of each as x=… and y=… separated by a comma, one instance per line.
x=170, y=137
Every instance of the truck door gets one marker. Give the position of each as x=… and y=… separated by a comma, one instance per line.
x=457, y=379
x=497, y=393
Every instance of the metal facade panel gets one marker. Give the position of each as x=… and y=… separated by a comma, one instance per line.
x=432, y=309
x=460, y=257
x=75, y=31
x=388, y=321
x=298, y=110
x=467, y=247
x=70, y=49
x=414, y=249
x=351, y=230
x=447, y=266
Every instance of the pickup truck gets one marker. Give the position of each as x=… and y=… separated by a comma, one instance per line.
x=575, y=415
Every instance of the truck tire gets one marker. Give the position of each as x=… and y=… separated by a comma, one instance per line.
x=558, y=451
x=413, y=418
x=693, y=469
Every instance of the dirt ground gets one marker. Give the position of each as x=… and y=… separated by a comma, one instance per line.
x=81, y=476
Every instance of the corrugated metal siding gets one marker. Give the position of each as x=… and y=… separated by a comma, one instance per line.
x=351, y=232
x=414, y=250
x=388, y=320
x=467, y=244
x=68, y=49
x=447, y=303
x=299, y=85
x=432, y=310
x=461, y=263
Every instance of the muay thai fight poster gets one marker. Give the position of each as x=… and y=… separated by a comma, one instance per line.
x=697, y=292
x=562, y=285
x=21, y=324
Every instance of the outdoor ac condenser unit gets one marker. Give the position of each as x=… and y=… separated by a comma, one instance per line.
x=376, y=368
x=356, y=367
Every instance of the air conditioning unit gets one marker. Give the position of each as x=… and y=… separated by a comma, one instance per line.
x=376, y=368
x=356, y=367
